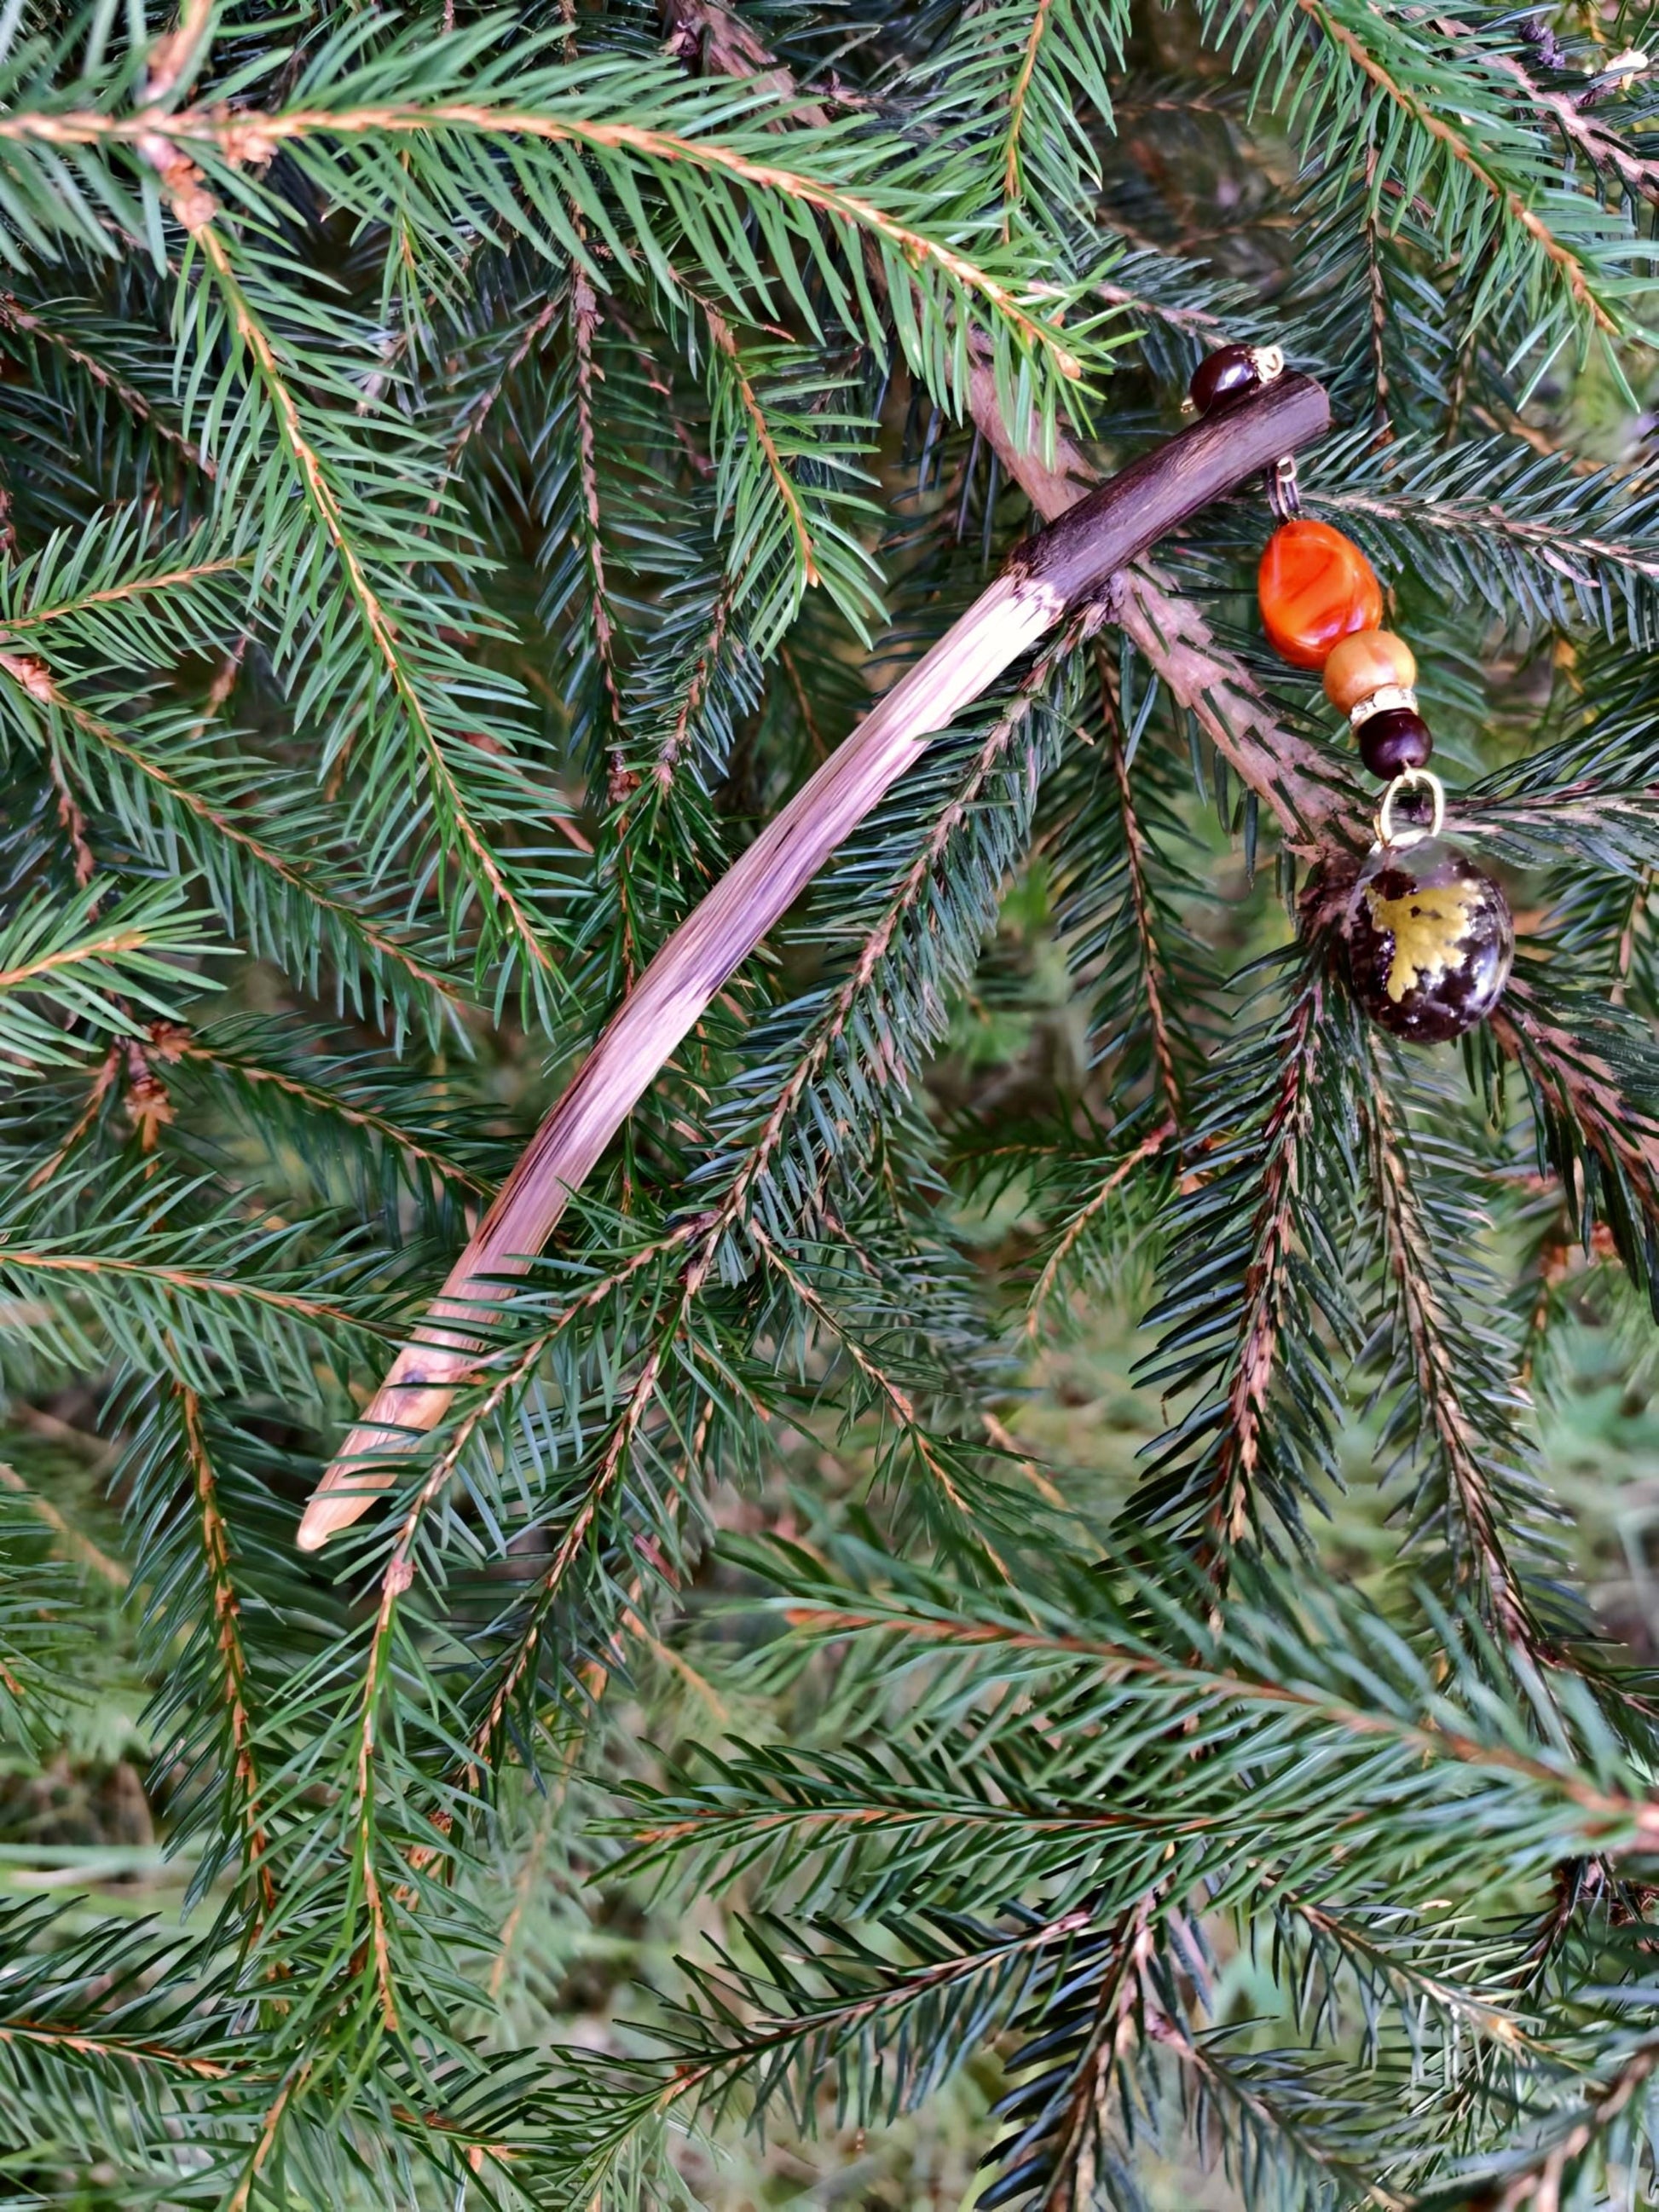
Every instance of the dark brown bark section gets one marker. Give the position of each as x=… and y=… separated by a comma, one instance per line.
x=1171, y=484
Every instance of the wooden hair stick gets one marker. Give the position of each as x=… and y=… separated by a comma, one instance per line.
x=1043, y=579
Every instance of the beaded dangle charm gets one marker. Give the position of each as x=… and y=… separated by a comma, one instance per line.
x=1429, y=935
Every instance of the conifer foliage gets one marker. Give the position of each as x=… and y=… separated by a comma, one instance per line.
x=462, y=471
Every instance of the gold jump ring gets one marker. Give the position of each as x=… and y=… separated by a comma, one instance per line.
x=1408, y=778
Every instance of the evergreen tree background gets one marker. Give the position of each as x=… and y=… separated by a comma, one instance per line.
x=1035, y=1597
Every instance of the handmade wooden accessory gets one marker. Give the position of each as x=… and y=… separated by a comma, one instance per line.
x=1261, y=415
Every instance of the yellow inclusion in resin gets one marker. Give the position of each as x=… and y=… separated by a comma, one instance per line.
x=1427, y=927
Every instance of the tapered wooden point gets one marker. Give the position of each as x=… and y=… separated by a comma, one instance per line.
x=1070, y=563
x=322, y=1517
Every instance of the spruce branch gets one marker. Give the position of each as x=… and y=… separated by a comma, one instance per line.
x=1494, y=167
x=1536, y=536
x=477, y=853
x=631, y=376
x=1134, y=845
x=1294, y=778
x=25, y=322
x=65, y=978
x=1449, y=1740
x=834, y=2028
x=583, y=319
x=177, y=1045
x=226, y=821
x=1593, y=1079
x=1120, y=1172
x=1231, y=1506
x=1581, y=129
x=255, y=136
x=1536, y=2179
x=1069, y=2153
x=242, y=1776
x=1472, y=1448
x=922, y=1450
x=75, y=1542
x=1286, y=2129
x=1251, y=1288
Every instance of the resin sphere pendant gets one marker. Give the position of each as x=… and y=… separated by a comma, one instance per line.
x=1429, y=938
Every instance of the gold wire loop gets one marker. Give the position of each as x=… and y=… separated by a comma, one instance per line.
x=1408, y=778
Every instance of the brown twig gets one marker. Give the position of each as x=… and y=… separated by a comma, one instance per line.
x=228, y=1638
x=1292, y=775
x=1405, y=1240
x=1273, y=1244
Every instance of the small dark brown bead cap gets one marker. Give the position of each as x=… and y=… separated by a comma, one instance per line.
x=1222, y=377
x=1393, y=741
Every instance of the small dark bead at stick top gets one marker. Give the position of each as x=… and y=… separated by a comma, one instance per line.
x=1393, y=741
x=1222, y=377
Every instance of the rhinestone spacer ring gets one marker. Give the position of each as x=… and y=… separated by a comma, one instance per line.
x=1379, y=702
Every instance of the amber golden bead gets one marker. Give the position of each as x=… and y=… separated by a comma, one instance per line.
x=1369, y=661
x=1315, y=587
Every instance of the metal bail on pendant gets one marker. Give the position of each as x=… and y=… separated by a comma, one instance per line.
x=1284, y=492
x=1409, y=779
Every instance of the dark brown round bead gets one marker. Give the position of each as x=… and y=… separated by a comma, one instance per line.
x=1222, y=377
x=1393, y=740
x=1430, y=940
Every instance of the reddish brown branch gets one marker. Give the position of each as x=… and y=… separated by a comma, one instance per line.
x=1406, y=1240
x=1579, y=1083
x=1140, y=906
x=1115, y=1177
x=1292, y=775
x=228, y=1638
x=1273, y=1245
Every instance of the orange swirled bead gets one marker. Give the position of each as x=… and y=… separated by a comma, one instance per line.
x=1315, y=587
